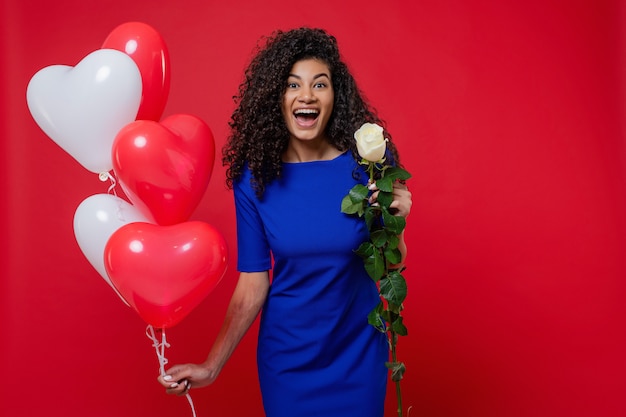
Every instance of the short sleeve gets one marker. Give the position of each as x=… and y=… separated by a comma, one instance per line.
x=253, y=252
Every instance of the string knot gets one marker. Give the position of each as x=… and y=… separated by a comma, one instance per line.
x=106, y=176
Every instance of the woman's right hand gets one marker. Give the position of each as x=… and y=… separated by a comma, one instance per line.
x=245, y=304
x=179, y=379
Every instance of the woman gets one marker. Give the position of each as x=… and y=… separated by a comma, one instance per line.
x=291, y=159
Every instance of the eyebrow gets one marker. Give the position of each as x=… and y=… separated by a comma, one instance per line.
x=322, y=74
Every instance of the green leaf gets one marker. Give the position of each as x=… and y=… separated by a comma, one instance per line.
x=350, y=207
x=391, y=175
x=395, y=224
x=371, y=213
x=384, y=198
x=391, y=314
x=397, y=370
x=393, y=288
x=365, y=250
x=394, y=311
x=356, y=200
x=385, y=184
x=393, y=255
x=399, y=327
x=379, y=238
x=375, y=265
x=374, y=318
x=386, y=315
x=392, y=241
x=396, y=173
x=359, y=192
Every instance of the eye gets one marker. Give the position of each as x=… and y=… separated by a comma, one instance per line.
x=292, y=85
x=320, y=85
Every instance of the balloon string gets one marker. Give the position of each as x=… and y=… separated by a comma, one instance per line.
x=159, y=347
x=193, y=410
x=107, y=176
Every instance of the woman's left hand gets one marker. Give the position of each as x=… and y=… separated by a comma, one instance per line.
x=402, y=202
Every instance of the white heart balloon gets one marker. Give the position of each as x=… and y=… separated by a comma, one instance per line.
x=95, y=220
x=82, y=108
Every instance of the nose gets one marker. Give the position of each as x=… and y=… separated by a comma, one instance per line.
x=306, y=95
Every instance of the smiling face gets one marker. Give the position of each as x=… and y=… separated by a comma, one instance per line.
x=308, y=100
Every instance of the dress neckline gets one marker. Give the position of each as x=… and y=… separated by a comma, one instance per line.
x=342, y=154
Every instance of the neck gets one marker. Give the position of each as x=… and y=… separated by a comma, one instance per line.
x=309, y=151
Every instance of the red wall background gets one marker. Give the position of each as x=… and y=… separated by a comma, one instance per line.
x=510, y=115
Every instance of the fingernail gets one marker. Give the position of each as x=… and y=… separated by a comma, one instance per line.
x=167, y=377
x=174, y=385
x=371, y=186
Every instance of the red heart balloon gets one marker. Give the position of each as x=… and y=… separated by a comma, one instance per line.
x=164, y=168
x=164, y=272
x=147, y=48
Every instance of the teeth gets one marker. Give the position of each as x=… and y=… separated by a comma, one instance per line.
x=306, y=111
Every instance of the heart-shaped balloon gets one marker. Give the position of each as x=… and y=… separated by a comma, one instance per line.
x=164, y=272
x=95, y=220
x=82, y=108
x=147, y=48
x=164, y=168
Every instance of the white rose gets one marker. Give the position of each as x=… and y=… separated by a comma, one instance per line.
x=370, y=142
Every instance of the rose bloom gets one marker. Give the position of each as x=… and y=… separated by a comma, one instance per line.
x=370, y=142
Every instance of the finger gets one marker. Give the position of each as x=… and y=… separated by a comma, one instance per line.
x=394, y=208
x=174, y=389
x=177, y=373
x=399, y=186
x=400, y=208
x=187, y=386
x=174, y=377
x=402, y=197
x=179, y=388
x=168, y=381
x=402, y=192
x=373, y=198
x=171, y=385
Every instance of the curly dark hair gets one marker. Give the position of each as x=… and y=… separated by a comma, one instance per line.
x=259, y=135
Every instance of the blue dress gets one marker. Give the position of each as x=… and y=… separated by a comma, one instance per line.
x=317, y=355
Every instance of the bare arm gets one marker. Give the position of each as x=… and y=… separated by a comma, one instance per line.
x=245, y=305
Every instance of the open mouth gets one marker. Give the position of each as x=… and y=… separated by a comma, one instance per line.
x=306, y=116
